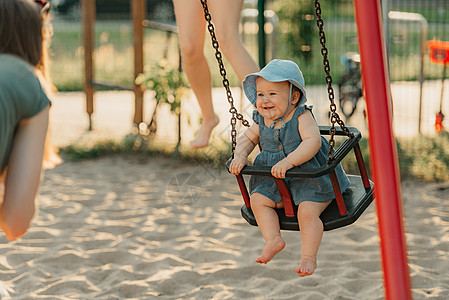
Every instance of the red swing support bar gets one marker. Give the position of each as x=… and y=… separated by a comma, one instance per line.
x=384, y=157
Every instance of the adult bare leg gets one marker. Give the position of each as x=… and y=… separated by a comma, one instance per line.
x=226, y=16
x=191, y=30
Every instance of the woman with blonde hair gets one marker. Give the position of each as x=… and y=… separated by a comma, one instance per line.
x=24, y=109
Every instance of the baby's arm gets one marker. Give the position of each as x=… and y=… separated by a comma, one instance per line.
x=245, y=145
x=311, y=144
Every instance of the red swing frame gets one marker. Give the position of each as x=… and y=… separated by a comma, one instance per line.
x=332, y=218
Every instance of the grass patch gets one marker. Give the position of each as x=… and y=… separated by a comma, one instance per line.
x=426, y=158
x=423, y=158
x=137, y=145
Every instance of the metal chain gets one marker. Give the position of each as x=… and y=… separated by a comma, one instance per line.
x=235, y=114
x=335, y=118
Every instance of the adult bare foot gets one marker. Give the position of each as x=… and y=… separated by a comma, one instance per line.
x=307, y=266
x=51, y=160
x=272, y=247
x=201, y=140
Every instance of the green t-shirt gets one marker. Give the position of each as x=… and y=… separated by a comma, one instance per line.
x=21, y=97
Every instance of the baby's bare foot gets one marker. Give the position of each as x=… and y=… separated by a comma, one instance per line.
x=307, y=266
x=201, y=140
x=272, y=247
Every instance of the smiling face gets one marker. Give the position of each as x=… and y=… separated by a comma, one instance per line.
x=272, y=99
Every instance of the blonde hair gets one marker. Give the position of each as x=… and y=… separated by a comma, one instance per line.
x=51, y=157
x=43, y=67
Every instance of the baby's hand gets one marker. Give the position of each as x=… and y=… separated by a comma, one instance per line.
x=237, y=164
x=279, y=169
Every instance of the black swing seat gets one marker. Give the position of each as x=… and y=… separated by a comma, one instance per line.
x=357, y=197
x=356, y=201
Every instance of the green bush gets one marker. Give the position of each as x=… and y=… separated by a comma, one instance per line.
x=427, y=158
x=422, y=158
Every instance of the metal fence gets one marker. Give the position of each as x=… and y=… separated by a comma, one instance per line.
x=409, y=26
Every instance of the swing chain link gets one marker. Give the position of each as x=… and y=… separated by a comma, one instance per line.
x=235, y=114
x=335, y=118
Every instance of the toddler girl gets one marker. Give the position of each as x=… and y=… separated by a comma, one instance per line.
x=289, y=136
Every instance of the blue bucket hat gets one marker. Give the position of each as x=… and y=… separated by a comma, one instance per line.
x=277, y=70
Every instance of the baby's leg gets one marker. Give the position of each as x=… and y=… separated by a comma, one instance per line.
x=311, y=232
x=268, y=222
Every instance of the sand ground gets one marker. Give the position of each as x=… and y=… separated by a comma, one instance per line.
x=145, y=228
x=133, y=227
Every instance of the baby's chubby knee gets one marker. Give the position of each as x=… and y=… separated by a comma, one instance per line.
x=306, y=216
x=305, y=211
x=310, y=211
x=258, y=200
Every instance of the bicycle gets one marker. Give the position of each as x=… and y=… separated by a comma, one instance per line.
x=350, y=84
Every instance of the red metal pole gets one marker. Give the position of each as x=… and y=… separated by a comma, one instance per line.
x=243, y=190
x=286, y=197
x=383, y=150
x=338, y=195
x=361, y=164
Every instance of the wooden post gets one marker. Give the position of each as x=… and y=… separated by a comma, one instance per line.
x=180, y=103
x=261, y=37
x=138, y=17
x=88, y=15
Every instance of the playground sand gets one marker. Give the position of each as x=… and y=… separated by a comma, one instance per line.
x=146, y=228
